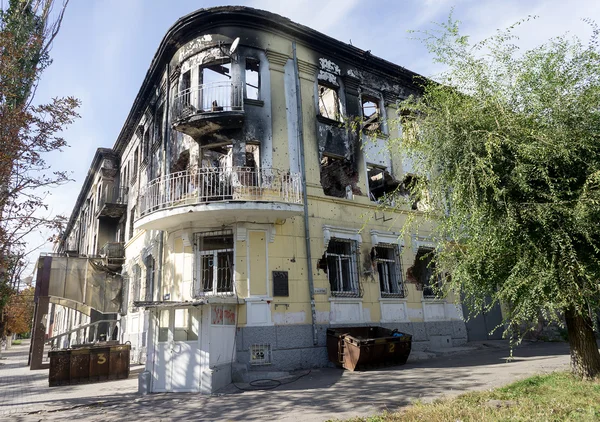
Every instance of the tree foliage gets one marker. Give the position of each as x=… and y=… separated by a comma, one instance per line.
x=19, y=312
x=28, y=131
x=507, y=144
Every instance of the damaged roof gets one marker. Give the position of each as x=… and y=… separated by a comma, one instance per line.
x=187, y=27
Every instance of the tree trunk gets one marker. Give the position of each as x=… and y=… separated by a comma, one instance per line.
x=585, y=358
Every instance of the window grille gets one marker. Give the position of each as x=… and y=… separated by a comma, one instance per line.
x=387, y=259
x=215, y=262
x=260, y=354
x=342, y=267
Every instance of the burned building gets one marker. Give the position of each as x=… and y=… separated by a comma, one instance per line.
x=245, y=187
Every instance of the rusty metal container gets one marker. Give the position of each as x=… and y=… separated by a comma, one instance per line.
x=60, y=367
x=90, y=363
x=362, y=347
x=80, y=366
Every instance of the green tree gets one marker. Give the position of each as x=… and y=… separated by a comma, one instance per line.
x=27, y=131
x=507, y=147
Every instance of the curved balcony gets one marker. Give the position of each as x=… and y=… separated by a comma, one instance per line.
x=208, y=108
x=217, y=196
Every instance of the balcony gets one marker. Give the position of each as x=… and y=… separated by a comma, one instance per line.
x=113, y=254
x=217, y=196
x=209, y=108
x=112, y=203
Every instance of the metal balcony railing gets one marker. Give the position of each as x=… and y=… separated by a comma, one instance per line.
x=113, y=195
x=218, y=185
x=113, y=250
x=208, y=98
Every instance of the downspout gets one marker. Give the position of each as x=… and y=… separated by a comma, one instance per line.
x=165, y=157
x=311, y=285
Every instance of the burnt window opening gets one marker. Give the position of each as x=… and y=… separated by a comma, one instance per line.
x=134, y=172
x=252, y=156
x=158, y=130
x=371, y=113
x=182, y=163
x=217, y=156
x=150, y=264
x=342, y=267
x=329, y=103
x=382, y=185
x=386, y=258
x=425, y=273
x=339, y=177
x=410, y=189
x=215, y=261
x=146, y=146
x=215, y=87
x=252, y=79
x=184, y=88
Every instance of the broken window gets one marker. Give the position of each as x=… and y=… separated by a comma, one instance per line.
x=216, y=88
x=215, y=262
x=184, y=88
x=424, y=272
x=342, y=267
x=146, y=146
x=182, y=163
x=150, y=273
x=382, y=185
x=339, y=177
x=386, y=257
x=134, y=171
x=253, y=79
x=253, y=156
x=158, y=130
x=329, y=103
x=371, y=113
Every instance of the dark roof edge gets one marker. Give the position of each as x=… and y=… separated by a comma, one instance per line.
x=189, y=24
x=100, y=154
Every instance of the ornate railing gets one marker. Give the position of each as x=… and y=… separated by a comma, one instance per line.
x=218, y=184
x=112, y=195
x=208, y=98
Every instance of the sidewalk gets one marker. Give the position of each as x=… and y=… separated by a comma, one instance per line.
x=322, y=394
x=24, y=391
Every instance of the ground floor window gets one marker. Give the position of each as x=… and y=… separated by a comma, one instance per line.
x=425, y=273
x=387, y=260
x=214, y=252
x=342, y=267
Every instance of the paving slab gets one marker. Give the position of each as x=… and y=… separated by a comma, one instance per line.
x=318, y=395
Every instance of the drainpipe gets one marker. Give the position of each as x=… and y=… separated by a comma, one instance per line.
x=311, y=285
x=165, y=157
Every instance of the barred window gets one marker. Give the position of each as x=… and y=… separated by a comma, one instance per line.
x=342, y=267
x=215, y=262
x=387, y=259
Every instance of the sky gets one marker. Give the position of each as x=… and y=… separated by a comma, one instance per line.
x=104, y=48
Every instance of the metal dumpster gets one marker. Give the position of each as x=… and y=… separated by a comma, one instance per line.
x=89, y=363
x=360, y=347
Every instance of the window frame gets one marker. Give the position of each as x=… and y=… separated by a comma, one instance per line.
x=339, y=117
x=352, y=257
x=397, y=264
x=199, y=288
